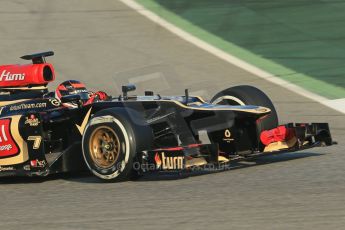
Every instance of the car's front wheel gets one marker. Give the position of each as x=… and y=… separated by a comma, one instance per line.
x=249, y=95
x=110, y=143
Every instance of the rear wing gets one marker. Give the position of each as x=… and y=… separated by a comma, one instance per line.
x=38, y=58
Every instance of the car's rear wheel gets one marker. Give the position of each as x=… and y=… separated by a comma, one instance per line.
x=111, y=141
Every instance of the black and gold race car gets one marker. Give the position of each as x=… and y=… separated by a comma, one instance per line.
x=120, y=137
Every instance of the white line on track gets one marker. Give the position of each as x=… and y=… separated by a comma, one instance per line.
x=338, y=104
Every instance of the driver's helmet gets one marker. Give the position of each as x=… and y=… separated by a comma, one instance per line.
x=72, y=87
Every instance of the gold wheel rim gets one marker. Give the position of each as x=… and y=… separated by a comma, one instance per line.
x=104, y=147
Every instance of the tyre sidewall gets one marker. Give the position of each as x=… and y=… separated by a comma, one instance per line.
x=124, y=161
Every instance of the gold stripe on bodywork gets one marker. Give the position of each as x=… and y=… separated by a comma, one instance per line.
x=200, y=99
x=81, y=127
x=26, y=88
x=258, y=110
x=22, y=145
x=3, y=103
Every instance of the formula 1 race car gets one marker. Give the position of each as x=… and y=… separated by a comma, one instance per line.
x=120, y=137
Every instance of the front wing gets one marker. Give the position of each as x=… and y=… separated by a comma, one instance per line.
x=202, y=155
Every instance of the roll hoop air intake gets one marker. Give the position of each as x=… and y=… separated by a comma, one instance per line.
x=37, y=73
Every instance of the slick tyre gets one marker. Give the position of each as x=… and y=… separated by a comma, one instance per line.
x=249, y=95
x=111, y=141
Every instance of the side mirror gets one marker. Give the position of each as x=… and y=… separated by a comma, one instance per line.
x=126, y=89
x=71, y=98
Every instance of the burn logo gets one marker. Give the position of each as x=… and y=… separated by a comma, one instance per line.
x=168, y=163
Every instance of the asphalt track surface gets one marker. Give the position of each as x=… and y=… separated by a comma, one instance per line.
x=96, y=41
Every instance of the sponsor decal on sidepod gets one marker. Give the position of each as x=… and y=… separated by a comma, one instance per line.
x=32, y=120
x=28, y=106
x=7, y=145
